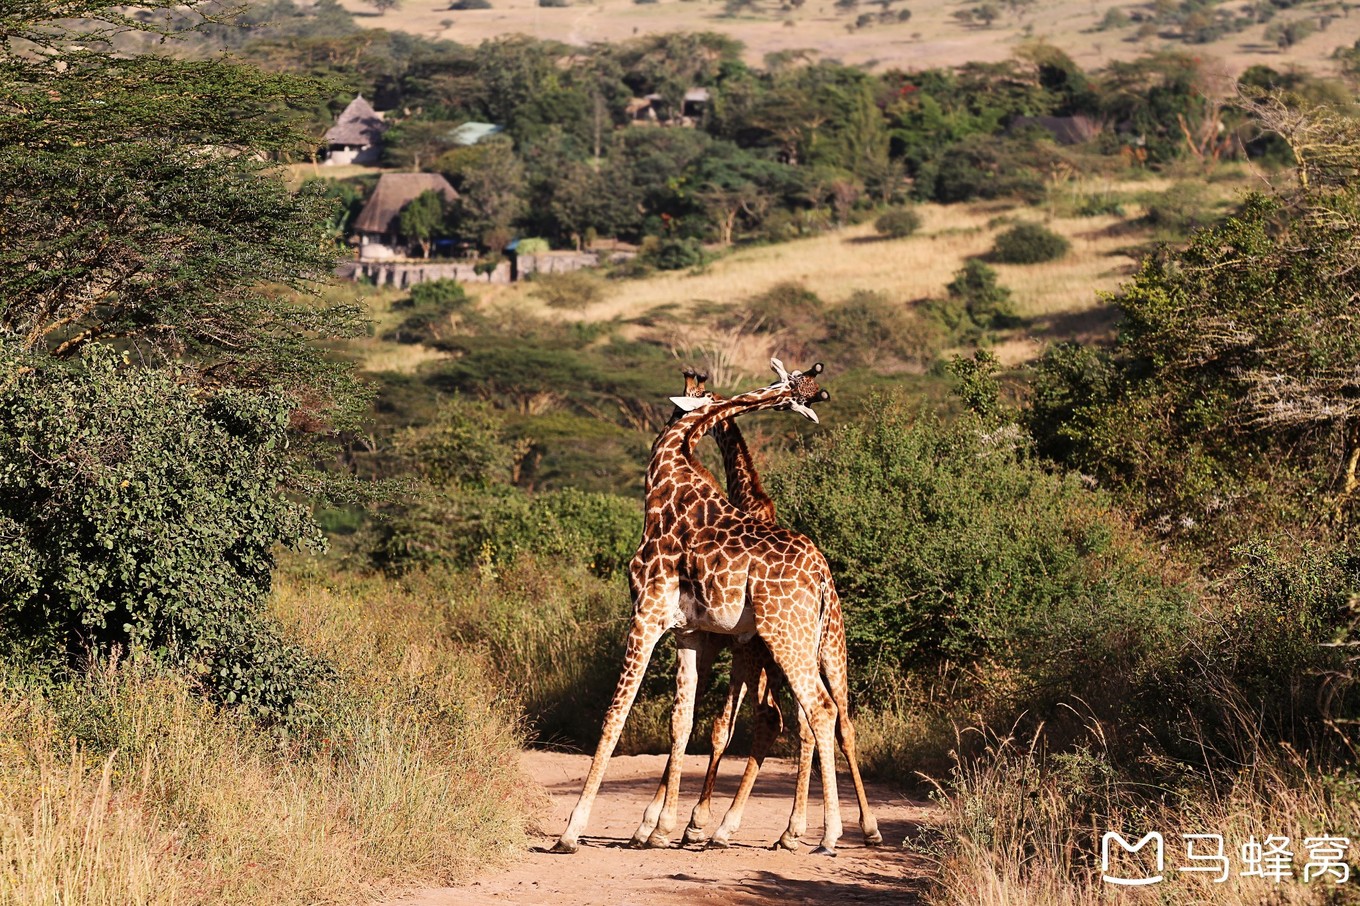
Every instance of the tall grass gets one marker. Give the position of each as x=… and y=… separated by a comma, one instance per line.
x=126, y=786
x=555, y=633
x=1023, y=826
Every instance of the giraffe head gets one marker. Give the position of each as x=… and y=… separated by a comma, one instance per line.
x=802, y=388
x=798, y=391
x=694, y=382
x=694, y=390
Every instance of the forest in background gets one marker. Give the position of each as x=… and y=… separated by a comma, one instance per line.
x=1127, y=566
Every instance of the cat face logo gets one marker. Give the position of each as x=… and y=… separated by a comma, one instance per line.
x=1130, y=849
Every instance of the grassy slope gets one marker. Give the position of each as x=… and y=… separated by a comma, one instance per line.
x=932, y=37
x=129, y=788
x=1059, y=300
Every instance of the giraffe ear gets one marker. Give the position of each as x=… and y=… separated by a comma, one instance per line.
x=690, y=403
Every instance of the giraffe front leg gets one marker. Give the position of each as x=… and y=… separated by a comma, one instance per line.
x=723, y=727
x=708, y=648
x=682, y=723
x=642, y=638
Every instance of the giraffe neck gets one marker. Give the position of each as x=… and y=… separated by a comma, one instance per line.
x=675, y=470
x=743, y=482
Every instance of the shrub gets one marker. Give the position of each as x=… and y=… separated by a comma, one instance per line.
x=986, y=303
x=139, y=512
x=574, y=290
x=899, y=223
x=1115, y=17
x=470, y=4
x=866, y=329
x=430, y=305
x=494, y=525
x=673, y=254
x=1029, y=243
x=950, y=546
x=786, y=306
x=533, y=245
x=1098, y=205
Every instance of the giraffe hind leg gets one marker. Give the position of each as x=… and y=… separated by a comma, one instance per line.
x=768, y=725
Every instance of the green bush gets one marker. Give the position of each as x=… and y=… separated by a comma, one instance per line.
x=1029, y=243
x=532, y=245
x=986, y=303
x=951, y=547
x=493, y=526
x=786, y=306
x=141, y=513
x=673, y=254
x=867, y=329
x=574, y=290
x=898, y=223
x=430, y=306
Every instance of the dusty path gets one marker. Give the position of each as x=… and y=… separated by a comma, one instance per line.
x=607, y=873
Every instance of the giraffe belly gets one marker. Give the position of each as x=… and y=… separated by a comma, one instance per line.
x=698, y=614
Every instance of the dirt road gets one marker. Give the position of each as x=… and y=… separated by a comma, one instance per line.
x=607, y=873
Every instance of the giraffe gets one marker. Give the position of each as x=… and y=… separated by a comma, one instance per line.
x=703, y=565
x=752, y=664
x=753, y=667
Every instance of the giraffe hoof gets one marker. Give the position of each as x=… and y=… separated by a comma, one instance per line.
x=823, y=851
x=695, y=835
x=786, y=842
x=656, y=841
x=718, y=843
x=565, y=847
x=874, y=839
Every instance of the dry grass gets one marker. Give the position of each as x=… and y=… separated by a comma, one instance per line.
x=1059, y=299
x=129, y=788
x=296, y=174
x=1023, y=827
x=931, y=38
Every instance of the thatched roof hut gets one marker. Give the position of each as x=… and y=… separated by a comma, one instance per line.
x=394, y=192
x=359, y=125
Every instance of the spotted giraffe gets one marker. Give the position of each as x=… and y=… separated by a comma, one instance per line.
x=753, y=667
x=705, y=566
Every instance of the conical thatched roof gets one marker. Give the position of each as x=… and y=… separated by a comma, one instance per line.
x=359, y=125
x=394, y=192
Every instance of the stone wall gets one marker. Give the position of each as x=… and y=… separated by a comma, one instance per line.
x=401, y=274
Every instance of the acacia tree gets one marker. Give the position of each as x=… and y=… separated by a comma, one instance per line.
x=150, y=384
x=1233, y=394
x=423, y=220
x=491, y=196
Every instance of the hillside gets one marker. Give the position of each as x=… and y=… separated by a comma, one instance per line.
x=932, y=36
